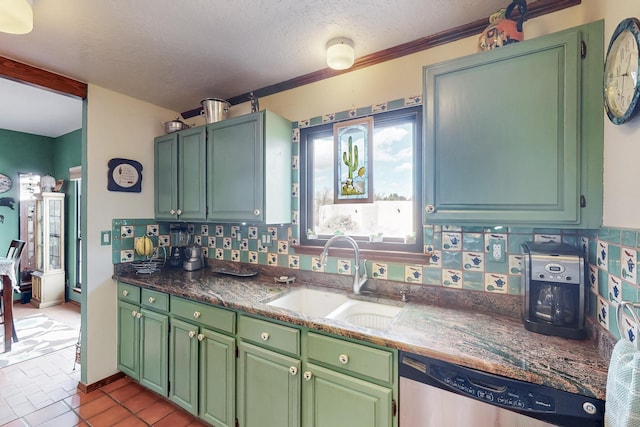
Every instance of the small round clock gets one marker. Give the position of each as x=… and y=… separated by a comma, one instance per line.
x=5, y=183
x=621, y=88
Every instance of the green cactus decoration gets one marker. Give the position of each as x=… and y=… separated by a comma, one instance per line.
x=351, y=159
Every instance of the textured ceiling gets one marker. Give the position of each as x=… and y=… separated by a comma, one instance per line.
x=175, y=53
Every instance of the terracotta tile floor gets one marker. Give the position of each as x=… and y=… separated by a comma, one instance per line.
x=43, y=392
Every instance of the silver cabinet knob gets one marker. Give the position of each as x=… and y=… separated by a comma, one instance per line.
x=256, y=212
x=192, y=334
x=307, y=375
x=293, y=371
x=172, y=211
x=138, y=315
x=125, y=293
x=133, y=313
x=196, y=314
x=152, y=300
x=179, y=211
x=200, y=337
x=430, y=208
x=344, y=359
x=264, y=336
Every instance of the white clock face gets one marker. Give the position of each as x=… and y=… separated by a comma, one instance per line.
x=5, y=183
x=621, y=73
x=125, y=175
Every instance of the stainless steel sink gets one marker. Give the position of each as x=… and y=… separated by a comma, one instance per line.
x=337, y=306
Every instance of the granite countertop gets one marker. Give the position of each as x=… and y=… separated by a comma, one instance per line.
x=490, y=342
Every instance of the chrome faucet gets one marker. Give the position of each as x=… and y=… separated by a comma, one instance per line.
x=358, y=281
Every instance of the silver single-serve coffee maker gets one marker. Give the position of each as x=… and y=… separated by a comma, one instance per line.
x=555, y=297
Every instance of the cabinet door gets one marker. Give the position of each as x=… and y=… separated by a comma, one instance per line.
x=217, y=381
x=235, y=169
x=333, y=399
x=268, y=388
x=129, y=339
x=183, y=365
x=165, y=176
x=192, y=160
x=502, y=135
x=154, y=351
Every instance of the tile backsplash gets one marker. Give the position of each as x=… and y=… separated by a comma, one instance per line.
x=463, y=257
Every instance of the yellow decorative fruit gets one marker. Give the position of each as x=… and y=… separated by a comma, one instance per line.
x=144, y=246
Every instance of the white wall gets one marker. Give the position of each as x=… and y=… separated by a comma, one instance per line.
x=117, y=126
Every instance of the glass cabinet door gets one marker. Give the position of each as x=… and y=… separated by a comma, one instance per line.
x=50, y=232
x=54, y=238
x=39, y=236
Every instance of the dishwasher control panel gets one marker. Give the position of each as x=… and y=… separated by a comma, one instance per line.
x=494, y=393
x=538, y=401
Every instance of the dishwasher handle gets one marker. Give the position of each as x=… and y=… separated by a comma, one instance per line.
x=485, y=385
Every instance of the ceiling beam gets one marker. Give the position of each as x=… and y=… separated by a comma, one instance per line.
x=24, y=73
x=534, y=9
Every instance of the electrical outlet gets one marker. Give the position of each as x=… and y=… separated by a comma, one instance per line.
x=496, y=250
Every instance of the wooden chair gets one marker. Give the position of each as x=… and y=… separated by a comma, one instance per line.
x=14, y=253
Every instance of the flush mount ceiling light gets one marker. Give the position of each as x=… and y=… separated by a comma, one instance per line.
x=16, y=16
x=339, y=53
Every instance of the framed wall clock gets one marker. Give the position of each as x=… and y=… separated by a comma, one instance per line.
x=621, y=88
x=124, y=175
x=5, y=183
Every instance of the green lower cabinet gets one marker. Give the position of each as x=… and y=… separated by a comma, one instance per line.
x=142, y=346
x=183, y=365
x=217, y=381
x=332, y=399
x=202, y=372
x=128, y=339
x=252, y=376
x=268, y=388
x=154, y=351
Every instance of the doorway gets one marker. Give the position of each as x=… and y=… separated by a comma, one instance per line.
x=29, y=191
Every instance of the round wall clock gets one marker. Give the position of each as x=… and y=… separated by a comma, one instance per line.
x=5, y=183
x=621, y=89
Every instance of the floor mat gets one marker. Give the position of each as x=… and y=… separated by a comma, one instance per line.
x=38, y=335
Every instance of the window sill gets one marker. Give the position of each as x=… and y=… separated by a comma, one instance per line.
x=368, y=254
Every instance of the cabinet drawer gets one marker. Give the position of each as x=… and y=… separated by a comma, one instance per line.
x=129, y=293
x=356, y=358
x=271, y=335
x=207, y=315
x=154, y=300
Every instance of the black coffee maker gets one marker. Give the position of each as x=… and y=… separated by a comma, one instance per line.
x=554, y=293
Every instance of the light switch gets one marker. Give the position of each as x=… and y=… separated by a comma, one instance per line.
x=105, y=237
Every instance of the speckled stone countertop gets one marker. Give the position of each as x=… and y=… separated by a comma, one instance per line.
x=476, y=338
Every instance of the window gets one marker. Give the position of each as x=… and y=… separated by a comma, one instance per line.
x=393, y=221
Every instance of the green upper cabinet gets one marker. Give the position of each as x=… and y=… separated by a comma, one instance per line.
x=249, y=169
x=180, y=175
x=515, y=135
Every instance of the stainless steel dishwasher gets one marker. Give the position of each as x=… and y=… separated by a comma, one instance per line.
x=437, y=393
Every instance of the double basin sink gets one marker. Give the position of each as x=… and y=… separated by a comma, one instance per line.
x=336, y=306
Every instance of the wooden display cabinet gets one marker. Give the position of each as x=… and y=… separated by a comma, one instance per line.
x=48, y=281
